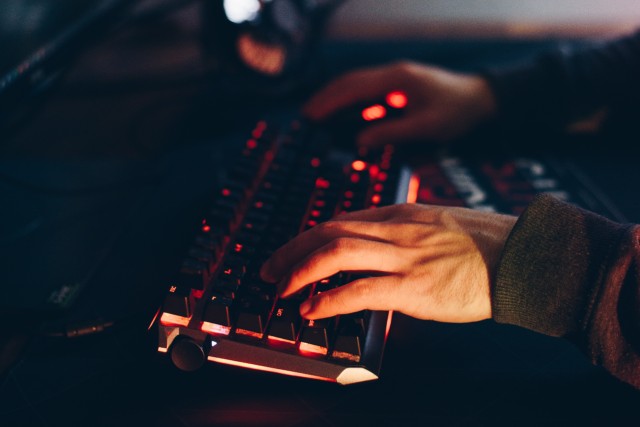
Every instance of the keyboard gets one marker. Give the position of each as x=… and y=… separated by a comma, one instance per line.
x=282, y=182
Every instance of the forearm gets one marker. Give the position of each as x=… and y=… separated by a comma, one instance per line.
x=560, y=87
x=569, y=273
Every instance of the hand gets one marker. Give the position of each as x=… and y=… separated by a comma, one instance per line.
x=427, y=262
x=442, y=105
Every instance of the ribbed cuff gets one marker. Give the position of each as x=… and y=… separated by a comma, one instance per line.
x=552, y=267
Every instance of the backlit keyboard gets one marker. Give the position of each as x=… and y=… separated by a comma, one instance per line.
x=218, y=309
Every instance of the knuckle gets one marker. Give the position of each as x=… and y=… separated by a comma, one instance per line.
x=340, y=246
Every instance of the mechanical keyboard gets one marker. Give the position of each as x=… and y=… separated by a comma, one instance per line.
x=284, y=182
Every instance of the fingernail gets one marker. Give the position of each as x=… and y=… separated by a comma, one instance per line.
x=305, y=307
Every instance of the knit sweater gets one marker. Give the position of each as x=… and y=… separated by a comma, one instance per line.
x=564, y=271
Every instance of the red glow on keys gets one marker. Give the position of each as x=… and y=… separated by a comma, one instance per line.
x=382, y=176
x=378, y=188
x=322, y=183
x=315, y=213
x=374, y=170
x=319, y=203
x=214, y=328
x=315, y=162
x=226, y=192
x=375, y=112
x=348, y=194
x=358, y=165
x=258, y=204
x=252, y=144
x=355, y=178
x=168, y=319
x=397, y=99
x=375, y=199
x=347, y=204
x=238, y=247
x=312, y=223
x=206, y=228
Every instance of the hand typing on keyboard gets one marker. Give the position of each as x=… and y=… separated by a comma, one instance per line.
x=442, y=105
x=427, y=262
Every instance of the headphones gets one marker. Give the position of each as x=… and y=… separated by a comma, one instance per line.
x=265, y=43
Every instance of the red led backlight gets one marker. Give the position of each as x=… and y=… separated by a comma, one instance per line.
x=397, y=99
x=375, y=112
x=358, y=165
x=322, y=183
x=252, y=144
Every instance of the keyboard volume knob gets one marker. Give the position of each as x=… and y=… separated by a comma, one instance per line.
x=187, y=355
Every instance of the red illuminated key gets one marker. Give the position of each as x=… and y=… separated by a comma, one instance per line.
x=314, y=338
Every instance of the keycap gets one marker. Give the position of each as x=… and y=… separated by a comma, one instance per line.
x=178, y=301
x=314, y=337
x=285, y=321
x=349, y=339
x=217, y=316
x=252, y=317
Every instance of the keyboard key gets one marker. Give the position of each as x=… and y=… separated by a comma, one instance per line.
x=314, y=337
x=217, y=317
x=252, y=317
x=349, y=339
x=285, y=322
x=178, y=306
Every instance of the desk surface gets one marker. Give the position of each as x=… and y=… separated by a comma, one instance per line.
x=128, y=149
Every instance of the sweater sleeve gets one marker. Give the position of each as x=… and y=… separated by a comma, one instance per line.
x=562, y=86
x=570, y=273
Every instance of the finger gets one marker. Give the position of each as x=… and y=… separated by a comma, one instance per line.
x=342, y=254
x=282, y=261
x=372, y=293
x=409, y=128
x=351, y=88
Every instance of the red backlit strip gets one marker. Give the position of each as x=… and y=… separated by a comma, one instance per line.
x=212, y=328
x=248, y=333
x=414, y=186
x=269, y=369
x=169, y=319
x=314, y=349
x=346, y=356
